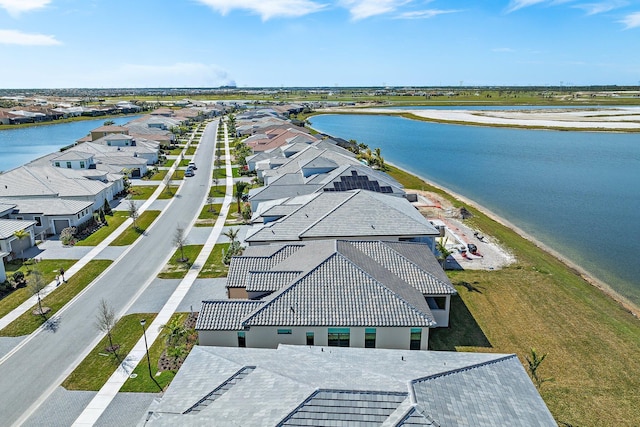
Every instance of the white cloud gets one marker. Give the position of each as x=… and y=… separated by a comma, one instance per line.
x=423, y=14
x=631, y=21
x=267, y=9
x=361, y=9
x=183, y=74
x=26, y=39
x=602, y=7
x=520, y=4
x=16, y=7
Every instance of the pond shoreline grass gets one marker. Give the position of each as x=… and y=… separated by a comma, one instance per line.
x=542, y=303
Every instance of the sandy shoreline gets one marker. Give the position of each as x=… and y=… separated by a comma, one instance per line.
x=624, y=302
x=623, y=119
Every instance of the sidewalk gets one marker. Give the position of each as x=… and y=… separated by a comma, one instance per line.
x=93, y=253
x=108, y=392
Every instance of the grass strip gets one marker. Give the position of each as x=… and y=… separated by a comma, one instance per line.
x=214, y=267
x=176, y=269
x=168, y=192
x=208, y=217
x=217, y=191
x=28, y=322
x=131, y=234
x=48, y=267
x=592, y=342
x=142, y=383
x=114, y=221
x=190, y=151
x=169, y=162
x=94, y=371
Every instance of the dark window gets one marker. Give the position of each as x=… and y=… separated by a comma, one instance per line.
x=310, y=339
x=68, y=165
x=38, y=220
x=416, y=337
x=437, y=303
x=338, y=337
x=242, y=341
x=284, y=331
x=57, y=164
x=370, y=338
x=81, y=165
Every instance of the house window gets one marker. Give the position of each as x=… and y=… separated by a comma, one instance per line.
x=242, y=340
x=78, y=216
x=38, y=220
x=310, y=339
x=57, y=164
x=416, y=337
x=68, y=165
x=370, y=338
x=81, y=165
x=284, y=331
x=338, y=337
x=19, y=217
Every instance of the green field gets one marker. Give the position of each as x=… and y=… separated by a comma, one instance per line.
x=131, y=234
x=113, y=221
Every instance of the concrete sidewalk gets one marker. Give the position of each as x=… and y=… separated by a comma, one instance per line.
x=108, y=392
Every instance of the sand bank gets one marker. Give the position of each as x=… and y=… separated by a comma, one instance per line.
x=591, y=119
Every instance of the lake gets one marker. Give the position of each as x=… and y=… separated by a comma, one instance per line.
x=577, y=192
x=22, y=145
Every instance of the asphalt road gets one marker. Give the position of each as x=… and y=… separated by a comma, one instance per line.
x=37, y=367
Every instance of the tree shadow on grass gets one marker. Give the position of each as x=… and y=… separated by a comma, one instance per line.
x=463, y=331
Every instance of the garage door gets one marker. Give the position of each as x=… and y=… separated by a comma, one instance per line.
x=59, y=225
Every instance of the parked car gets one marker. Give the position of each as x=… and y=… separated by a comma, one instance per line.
x=189, y=172
x=192, y=165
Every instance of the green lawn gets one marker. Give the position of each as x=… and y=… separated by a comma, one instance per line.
x=94, y=371
x=28, y=322
x=207, y=218
x=168, y=192
x=114, y=222
x=190, y=151
x=141, y=192
x=48, y=267
x=131, y=234
x=142, y=383
x=214, y=266
x=592, y=342
x=184, y=163
x=169, y=163
x=159, y=176
x=175, y=151
x=177, y=269
x=177, y=175
x=217, y=191
x=219, y=173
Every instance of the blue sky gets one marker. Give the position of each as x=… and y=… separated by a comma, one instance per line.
x=208, y=43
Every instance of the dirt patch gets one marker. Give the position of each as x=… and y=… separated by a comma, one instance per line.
x=489, y=256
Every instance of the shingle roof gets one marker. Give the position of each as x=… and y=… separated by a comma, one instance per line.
x=224, y=315
x=484, y=395
x=348, y=214
x=302, y=385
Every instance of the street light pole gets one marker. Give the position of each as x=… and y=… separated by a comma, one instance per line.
x=146, y=346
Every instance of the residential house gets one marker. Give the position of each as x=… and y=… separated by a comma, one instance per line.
x=355, y=214
x=330, y=293
x=50, y=215
x=103, y=131
x=319, y=386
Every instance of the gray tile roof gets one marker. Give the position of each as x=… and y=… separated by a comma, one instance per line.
x=301, y=385
x=349, y=214
x=224, y=315
x=10, y=226
x=48, y=205
x=484, y=395
x=256, y=259
x=269, y=281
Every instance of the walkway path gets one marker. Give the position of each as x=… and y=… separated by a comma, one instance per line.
x=108, y=392
x=93, y=253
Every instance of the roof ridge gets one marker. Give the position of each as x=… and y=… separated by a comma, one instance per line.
x=313, y=224
x=385, y=287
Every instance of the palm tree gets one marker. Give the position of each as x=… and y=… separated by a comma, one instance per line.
x=240, y=187
x=173, y=332
x=21, y=234
x=444, y=252
x=232, y=234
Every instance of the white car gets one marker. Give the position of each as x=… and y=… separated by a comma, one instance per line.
x=189, y=172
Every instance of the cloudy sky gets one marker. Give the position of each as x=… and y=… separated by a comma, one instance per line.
x=208, y=43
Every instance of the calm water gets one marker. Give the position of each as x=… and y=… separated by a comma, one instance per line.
x=577, y=192
x=22, y=145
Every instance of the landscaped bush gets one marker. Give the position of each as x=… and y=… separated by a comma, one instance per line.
x=67, y=236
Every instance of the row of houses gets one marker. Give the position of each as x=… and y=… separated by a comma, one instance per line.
x=64, y=189
x=336, y=288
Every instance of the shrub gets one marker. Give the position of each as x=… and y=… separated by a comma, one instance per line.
x=67, y=236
